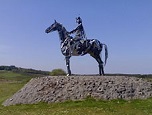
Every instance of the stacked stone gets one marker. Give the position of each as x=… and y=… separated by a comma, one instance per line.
x=61, y=88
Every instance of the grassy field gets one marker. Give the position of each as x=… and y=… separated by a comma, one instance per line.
x=11, y=82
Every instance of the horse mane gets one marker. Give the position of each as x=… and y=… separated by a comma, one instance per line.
x=63, y=32
x=63, y=28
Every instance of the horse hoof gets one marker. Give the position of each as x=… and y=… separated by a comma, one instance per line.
x=68, y=74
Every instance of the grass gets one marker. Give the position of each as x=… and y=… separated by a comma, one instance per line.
x=11, y=76
x=88, y=106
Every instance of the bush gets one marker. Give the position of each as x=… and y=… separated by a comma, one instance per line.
x=57, y=72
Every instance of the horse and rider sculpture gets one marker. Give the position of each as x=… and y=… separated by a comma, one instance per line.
x=79, y=45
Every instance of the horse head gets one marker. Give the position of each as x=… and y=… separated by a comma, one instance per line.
x=55, y=26
x=58, y=27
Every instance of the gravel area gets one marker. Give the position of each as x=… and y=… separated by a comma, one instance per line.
x=61, y=88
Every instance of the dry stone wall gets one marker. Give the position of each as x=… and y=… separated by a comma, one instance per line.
x=61, y=88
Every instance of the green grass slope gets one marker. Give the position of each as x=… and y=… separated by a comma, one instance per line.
x=10, y=82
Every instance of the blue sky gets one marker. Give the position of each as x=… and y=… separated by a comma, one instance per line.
x=124, y=25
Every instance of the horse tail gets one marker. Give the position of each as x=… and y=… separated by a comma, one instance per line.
x=106, y=53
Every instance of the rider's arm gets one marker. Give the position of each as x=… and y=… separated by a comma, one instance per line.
x=77, y=28
x=73, y=31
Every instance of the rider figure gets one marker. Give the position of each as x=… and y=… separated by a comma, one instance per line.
x=80, y=35
x=79, y=30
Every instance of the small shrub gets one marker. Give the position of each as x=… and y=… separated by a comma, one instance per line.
x=57, y=72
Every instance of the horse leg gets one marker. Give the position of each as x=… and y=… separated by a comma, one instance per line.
x=101, y=69
x=100, y=62
x=68, y=65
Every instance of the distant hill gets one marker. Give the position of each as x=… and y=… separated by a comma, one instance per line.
x=23, y=70
x=44, y=73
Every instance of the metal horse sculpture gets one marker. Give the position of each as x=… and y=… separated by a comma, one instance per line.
x=71, y=47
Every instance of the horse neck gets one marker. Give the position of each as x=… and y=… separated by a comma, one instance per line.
x=62, y=34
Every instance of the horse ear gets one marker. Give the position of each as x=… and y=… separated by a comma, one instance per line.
x=55, y=21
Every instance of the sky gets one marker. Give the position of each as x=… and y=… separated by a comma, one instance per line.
x=125, y=26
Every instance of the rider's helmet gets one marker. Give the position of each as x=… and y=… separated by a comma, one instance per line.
x=78, y=20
